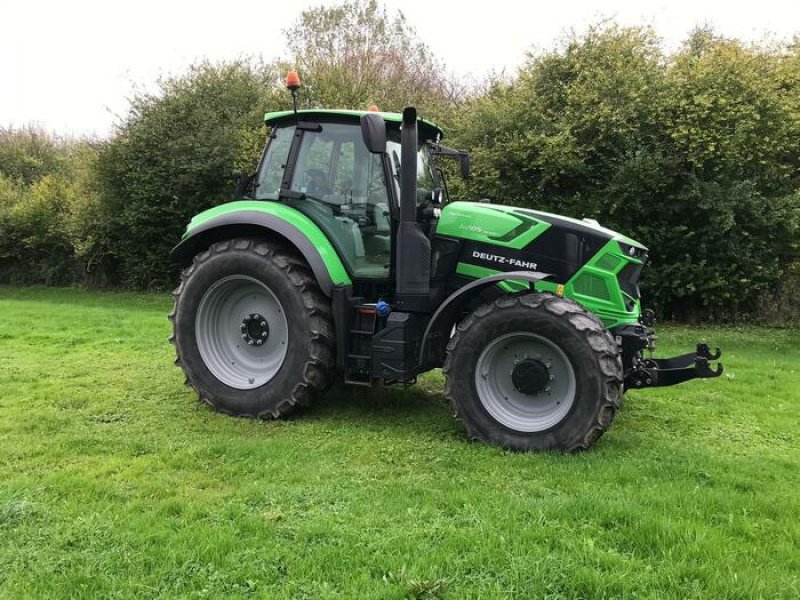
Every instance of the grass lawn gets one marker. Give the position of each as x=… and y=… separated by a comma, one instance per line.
x=115, y=482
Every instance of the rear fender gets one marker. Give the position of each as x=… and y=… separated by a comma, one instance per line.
x=267, y=219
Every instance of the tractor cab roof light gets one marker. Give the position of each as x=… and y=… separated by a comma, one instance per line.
x=292, y=81
x=293, y=84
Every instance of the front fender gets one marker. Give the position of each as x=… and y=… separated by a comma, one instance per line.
x=249, y=218
x=437, y=333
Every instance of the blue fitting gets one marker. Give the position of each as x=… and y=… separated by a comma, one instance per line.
x=383, y=308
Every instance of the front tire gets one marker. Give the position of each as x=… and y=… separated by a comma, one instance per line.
x=533, y=372
x=252, y=332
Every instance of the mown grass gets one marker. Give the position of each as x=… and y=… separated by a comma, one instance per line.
x=114, y=482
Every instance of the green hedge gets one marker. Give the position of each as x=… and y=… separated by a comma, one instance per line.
x=50, y=211
x=171, y=159
x=696, y=154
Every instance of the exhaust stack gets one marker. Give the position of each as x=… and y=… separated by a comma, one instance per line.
x=413, y=266
x=408, y=161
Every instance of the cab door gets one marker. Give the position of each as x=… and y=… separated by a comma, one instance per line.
x=332, y=178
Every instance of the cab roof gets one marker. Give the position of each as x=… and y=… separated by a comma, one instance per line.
x=427, y=129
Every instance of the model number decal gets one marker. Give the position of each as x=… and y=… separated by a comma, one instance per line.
x=504, y=260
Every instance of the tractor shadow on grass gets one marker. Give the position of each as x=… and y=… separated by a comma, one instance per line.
x=417, y=406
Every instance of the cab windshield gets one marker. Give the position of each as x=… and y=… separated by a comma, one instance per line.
x=317, y=176
x=339, y=185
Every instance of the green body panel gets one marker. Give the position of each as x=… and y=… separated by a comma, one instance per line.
x=489, y=224
x=306, y=226
x=483, y=222
x=595, y=285
x=607, y=302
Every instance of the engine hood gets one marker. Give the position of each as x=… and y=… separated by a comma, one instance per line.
x=515, y=228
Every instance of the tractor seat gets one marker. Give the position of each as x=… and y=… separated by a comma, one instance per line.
x=317, y=184
x=380, y=216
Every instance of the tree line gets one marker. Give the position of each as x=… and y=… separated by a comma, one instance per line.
x=696, y=153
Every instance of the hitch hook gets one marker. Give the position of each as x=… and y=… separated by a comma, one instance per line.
x=704, y=369
x=705, y=352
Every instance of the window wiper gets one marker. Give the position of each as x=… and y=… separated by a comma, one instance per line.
x=291, y=195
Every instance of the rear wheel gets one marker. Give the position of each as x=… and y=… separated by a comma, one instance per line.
x=534, y=372
x=251, y=329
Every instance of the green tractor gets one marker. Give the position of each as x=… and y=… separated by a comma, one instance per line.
x=345, y=257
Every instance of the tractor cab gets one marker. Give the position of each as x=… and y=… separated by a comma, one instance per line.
x=317, y=162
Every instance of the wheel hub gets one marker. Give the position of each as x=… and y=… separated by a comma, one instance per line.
x=530, y=376
x=255, y=329
x=525, y=381
x=242, y=332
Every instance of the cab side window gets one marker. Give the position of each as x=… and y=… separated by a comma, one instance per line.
x=271, y=173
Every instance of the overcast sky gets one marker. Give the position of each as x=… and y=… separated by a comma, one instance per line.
x=69, y=65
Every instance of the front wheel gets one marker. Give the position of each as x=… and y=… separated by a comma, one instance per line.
x=534, y=372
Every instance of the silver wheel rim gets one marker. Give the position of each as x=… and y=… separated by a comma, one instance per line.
x=507, y=404
x=229, y=328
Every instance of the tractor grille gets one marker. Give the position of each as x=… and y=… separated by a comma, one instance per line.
x=608, y=262
x=589, y=285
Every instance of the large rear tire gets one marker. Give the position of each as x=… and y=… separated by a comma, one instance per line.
x=251, y=329
x=533, y=372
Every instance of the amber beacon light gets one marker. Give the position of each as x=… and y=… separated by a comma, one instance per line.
x=292, y=81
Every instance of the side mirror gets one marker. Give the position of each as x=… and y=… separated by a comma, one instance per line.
x=466, y=166
x=460, y=155
x=373, y=130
